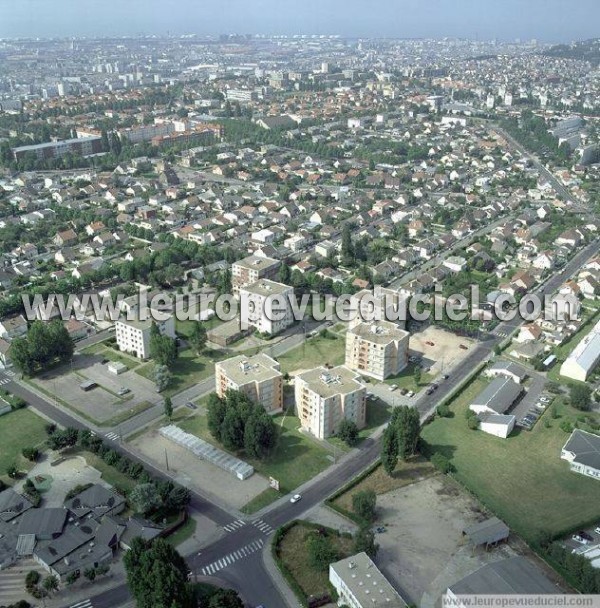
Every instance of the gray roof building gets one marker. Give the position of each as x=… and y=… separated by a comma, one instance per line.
x=12, y=504
x=515, y=575
x=497, y=397
x=582, y=450
x=487, y=532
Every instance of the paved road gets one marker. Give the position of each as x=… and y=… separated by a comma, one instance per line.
x=234, y=557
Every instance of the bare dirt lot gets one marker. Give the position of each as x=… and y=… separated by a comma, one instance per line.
x=440, y=349
x=422, y=551
x=197, y=474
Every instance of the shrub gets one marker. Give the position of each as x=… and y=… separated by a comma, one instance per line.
x=443, y=411
x=441, y=463
x=31, y=453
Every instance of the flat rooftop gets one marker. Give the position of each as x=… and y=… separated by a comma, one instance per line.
x=328, y=382
x=255, y=262
x=380, y=332
x=266, y=287
x=366, y=583
x=242, y=369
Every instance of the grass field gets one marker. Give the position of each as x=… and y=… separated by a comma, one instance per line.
x=314, y=352
x=188, y=369
x=295, y=459
x=378, y=413
x=259, y=502
x=521, y=479
x=380, y=482
x=182, y=534
x=406, y=379
x=295, y=556
x=19, y=429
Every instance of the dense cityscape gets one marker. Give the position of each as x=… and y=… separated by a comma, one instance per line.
x=181, y=452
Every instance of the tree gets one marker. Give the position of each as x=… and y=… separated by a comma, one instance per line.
x=12, y=471
x=30, y=453
x=157, y=575
x=225, y=598
x=72, y=577
x=232, y=430
x=389, y=449
x=285, y=274
x=473, y=423
x=417, y=375
x=364, y=540
x=162, y=377
x=441, y=463
x=168, y=407
x=581, y=397
x=321, y=552
x=198, y=336
x=90, y=574
x=408, y=428
x=363, y=504
x=215, y=414
x=260, y=434
x=32, y=579
x=50, y=583
x=20, y=356
x=145, y=498
x=348, y=431
x=162, y=348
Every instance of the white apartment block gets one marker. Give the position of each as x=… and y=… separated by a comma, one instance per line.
x=266, y=305
x=249, y=270
x=134, y=336
x=380, y=303
x=324, y=397
x=258, y=377
x=378, y=350
x=360, y=584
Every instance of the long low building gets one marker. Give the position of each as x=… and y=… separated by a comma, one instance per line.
x=497, y=397
x=584, y=358
x=582, y=451
x=81, y=146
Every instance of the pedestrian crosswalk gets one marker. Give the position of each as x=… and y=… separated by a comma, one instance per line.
x=263, y=527
x=4, y=381
x=82, y=604
x=232, y=557
x=236, y=525
x=112, y=436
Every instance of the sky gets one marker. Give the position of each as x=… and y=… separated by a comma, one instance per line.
x=544, y=20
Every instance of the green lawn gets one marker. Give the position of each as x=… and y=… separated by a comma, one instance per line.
x=112, y=355
x=378, y=413
x=183, y=533
x=259, y=502
x=521, y=479
x=184, y=328
x=115, y=478
x=296, y=458
x=295, y=556
x=19, y=429
x=188, y=369
x=406, y=379
x=314, y=352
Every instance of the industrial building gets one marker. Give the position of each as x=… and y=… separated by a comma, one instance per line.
x=584, y=358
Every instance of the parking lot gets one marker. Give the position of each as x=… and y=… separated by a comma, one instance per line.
x=439, y=349
x=590, y=539
x=527, y=405
x=103, y=402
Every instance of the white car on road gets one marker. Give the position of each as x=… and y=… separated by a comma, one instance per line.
x=295, y=498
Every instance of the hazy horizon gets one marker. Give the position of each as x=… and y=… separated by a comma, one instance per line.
x=544, y=20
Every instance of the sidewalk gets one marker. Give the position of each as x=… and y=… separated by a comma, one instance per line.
x=277, y=578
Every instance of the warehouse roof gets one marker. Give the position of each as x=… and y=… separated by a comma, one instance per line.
x=514, y=575
x=499, y=395
x=487, y=532
x=586, y=447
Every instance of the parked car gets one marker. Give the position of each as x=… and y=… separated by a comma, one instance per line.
x=582, y=537
x=403, y=391
x=410, y=394
x=429, y=391
x=191, y=405
x=597, y=530
x=545, y=399
x=295, y=498
x=463, y=347
x=393, y=387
